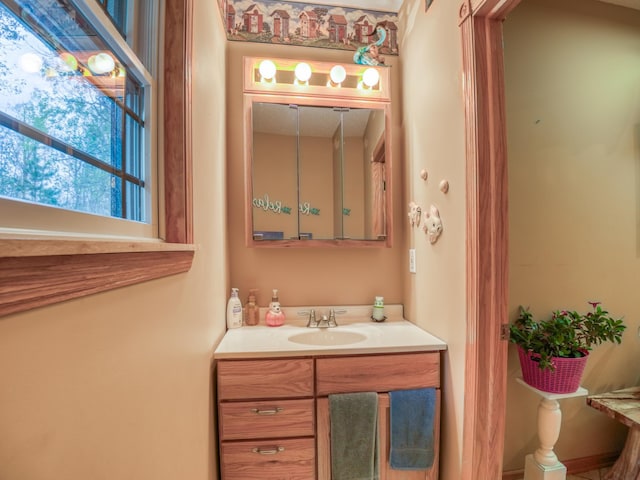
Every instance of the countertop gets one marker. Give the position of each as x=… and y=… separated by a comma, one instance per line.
x=394, y=335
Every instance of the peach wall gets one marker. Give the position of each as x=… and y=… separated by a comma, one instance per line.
x=573, y=110
x=275, y=176
x=338, y=276
x=316, y=186
x=353, y=198
x=118, y=385
x=433, y=115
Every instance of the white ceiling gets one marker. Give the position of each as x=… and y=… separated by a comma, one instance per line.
x=394, y=5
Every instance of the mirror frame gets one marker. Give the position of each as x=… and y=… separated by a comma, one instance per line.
x=323, y=96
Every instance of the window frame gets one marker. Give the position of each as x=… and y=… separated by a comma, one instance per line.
x=36, y=271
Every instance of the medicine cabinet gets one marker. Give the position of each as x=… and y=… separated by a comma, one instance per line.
x=317, y=155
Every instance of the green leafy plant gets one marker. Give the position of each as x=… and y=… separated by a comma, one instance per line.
x=566, y=334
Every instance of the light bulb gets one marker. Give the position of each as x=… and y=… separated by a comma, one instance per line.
x=303, y=72
x=30, y=62
x=105, y=62
x=69, y=60
x=338, y=74
x=267, y=69
x=370, y=77
x=101, y=63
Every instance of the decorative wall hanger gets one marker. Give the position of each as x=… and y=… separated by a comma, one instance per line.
x=432, y=224
x=444, y=186
x=415, y=213
x=424, y=174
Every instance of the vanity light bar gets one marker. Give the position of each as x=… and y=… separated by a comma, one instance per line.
x=316, y=78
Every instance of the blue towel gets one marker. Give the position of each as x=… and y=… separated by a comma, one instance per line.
x=412, y=421
x=354, y=436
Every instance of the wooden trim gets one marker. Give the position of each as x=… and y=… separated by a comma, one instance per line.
x=30, y=282
x=487, y=228
x=574, y=466
x=35, y=272
x=177, y=125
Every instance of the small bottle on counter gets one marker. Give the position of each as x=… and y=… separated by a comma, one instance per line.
x=275, y=316
x=252, y=311
x=378, y=310
x=234, y=310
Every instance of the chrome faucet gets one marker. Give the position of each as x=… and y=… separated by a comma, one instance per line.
x=324, y=322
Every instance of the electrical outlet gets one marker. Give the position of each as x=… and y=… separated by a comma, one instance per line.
x=412, y=260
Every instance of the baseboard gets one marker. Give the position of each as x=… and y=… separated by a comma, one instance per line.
x=575, y=465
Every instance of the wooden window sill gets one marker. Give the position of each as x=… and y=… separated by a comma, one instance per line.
x=35, y=273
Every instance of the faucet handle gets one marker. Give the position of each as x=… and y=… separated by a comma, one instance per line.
x=332, y=318
x=312, y=319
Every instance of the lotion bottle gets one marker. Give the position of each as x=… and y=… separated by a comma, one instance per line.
x=251, y=309
x=234, y=310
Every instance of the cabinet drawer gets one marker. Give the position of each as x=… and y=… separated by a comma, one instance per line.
x=282, y=418
x=247, y=379
x=377, y=373
x=292, y=459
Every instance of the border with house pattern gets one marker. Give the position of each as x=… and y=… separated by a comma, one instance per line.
x=308, y=25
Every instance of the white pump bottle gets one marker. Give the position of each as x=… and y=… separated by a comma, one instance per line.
x=234, y=310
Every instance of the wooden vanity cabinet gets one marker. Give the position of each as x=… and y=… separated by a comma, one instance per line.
x=266, y=419
x=269, y=428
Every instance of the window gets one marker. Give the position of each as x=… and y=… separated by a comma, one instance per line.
x=74, y=99
x=37, y=270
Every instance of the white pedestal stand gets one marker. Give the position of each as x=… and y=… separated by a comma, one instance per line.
x=544, y=464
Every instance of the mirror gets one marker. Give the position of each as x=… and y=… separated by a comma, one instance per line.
x=318, y=173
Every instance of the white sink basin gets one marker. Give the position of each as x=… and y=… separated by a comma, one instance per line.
x=355, y=334
x=327, y=336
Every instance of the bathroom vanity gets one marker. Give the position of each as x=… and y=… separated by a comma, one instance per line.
x=273, y=407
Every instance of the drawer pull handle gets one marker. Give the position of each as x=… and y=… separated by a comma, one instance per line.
x=268, y=451
x=271, y=411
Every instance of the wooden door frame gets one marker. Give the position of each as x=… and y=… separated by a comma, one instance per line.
x=487, y=237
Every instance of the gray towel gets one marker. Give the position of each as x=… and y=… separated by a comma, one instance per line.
x=354, y=436
x=412, y=414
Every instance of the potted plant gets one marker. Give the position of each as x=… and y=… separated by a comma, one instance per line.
x=553, y=352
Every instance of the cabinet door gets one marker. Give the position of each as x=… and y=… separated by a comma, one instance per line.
x=386, y=473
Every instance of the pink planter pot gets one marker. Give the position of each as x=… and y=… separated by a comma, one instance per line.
x=564, y=379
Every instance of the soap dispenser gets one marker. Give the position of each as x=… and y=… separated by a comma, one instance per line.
x=275, y=316
x=251, y=309
x=234, y=310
